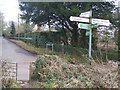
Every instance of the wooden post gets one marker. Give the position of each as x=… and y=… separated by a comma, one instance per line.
x=119, y=75
x=16, y=70
x=30, y=67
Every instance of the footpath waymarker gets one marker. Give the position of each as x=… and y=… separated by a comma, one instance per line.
x=87, y=26
x=84, y=26
x=93, y=23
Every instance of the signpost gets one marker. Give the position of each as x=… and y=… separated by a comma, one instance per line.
x=86, y=14
x=87, y=26
x=100, y=22
x=90, y=43
x=93, y=23
x=79, y=19
x=84, y=26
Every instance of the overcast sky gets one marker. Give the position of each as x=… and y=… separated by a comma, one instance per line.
x=10, y=8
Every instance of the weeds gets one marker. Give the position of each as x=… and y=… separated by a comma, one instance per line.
x=52, y=71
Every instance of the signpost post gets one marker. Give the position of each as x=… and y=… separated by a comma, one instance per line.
x=93, y=23
x=90, y=43
x=90, y=38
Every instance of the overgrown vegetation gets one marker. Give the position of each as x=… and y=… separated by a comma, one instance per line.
x=50, y=71
x=8, y=79
x=10, y=83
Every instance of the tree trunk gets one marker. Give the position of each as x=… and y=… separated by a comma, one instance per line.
x=83, y=39
x=64, y=33
x=75, y=36
x=49, y=22
x=94, y=39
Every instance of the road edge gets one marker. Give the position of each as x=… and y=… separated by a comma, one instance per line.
x=34, y=53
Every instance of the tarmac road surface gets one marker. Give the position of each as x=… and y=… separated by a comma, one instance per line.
x=15, y=54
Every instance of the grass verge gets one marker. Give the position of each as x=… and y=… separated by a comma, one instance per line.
x=74, y=59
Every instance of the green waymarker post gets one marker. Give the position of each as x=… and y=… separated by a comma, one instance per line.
x=88, y=27
x=84, y=26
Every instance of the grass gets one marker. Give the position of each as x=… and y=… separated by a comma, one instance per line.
x=42, y=51
x=72, y=54
x=30, y=47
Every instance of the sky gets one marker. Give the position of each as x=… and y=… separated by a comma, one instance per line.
x=10, y=9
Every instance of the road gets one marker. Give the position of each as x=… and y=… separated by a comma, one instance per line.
x=14, y=53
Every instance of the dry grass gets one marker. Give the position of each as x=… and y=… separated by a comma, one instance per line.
x=52, y=69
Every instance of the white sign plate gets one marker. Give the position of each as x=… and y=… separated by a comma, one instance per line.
x=101, y=22
x=79, y=19
x=86, y=14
